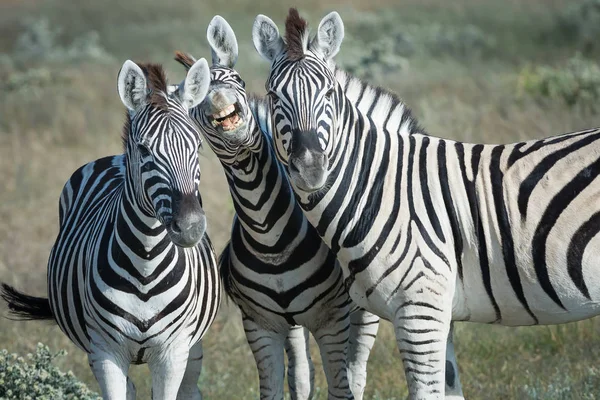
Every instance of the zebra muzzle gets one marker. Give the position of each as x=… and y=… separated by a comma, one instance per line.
x=188, y=224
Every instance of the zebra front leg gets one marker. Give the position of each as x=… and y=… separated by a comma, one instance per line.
x=301, y=370
x=453, y=387
x=189, y=385
x=363, y=331
x=421, y=325
x=267, y=348
x=110, y=371
x=333, y=345
x=167, y=369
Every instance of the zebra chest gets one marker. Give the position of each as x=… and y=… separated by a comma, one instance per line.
x=141, y=305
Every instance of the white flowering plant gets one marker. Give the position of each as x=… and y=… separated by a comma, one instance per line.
x=35, y=377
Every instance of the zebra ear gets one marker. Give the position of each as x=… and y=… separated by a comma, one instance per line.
x=195, y=86
x=132, y=86
x=267, y=40
x=329, y=35
x=222, y=42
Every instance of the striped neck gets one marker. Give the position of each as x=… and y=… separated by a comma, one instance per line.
x=140, y=242
x=258, y=184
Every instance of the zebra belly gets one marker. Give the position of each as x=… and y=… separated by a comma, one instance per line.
x=139, y=348
x=500, y=303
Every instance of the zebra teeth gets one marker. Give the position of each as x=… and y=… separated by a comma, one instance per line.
x=224, y=112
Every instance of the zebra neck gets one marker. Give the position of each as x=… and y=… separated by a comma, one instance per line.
x=139, y=242
x=261, y=192
x=240, y=157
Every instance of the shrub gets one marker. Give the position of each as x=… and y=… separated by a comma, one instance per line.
x=578, y=82
x=579, y=23
x=463, y=42
x=39, y=42
x=378, y=58
x=33, y=79
x=381, y=45
x=37, y=378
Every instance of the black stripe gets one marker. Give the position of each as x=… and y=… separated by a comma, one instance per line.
x=506, y=238
x=577, y=246
x=425, y=193
x=449, y=206
x=556, y=206
x=541, y=169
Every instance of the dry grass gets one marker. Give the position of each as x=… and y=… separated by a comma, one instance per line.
x=47, y=131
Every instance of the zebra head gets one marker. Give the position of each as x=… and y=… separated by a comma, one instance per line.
x=161, y=147
x=304, y=93
x=224, y=113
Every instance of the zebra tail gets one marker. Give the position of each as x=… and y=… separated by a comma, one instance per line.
x=24, y=307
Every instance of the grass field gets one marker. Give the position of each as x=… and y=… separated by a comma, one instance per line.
x=59, y=109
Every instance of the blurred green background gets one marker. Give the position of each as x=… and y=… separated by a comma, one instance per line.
x=474, y=70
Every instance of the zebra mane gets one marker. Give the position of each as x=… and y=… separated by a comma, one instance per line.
x=386, y=101
x=157, y=83
x=126, y=130
x=158, y=87
x=184, y=59
x=296, y=35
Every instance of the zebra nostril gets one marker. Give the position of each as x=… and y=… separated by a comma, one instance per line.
x=293, y=167
x=324, y=158
x=175, y=227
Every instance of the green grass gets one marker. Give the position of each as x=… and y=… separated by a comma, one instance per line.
x=58, y=112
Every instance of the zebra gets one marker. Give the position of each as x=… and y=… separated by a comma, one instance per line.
x=132, y=276
x=276, y=268
x=429, y=230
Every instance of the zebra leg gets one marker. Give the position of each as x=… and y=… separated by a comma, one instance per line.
x=363, y=330
x=189, y=385
x=111, y=373
x=301, y=370
x=131, y=392
x=167, y=370
x=421, y=324
x=453, y=388
x=267, y=348
x=333, y=345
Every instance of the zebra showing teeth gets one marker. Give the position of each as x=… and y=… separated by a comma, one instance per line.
x=228, y=118
x=276, y=267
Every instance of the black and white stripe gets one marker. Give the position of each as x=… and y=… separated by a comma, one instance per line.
x=276, y=267
x=132, y=276
x=429, y=230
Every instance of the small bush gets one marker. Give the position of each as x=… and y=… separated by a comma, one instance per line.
x=33, y=79
x=37, y=378
x=381, y=45
x=463, y=42
x=578, y=82
x=579, y=23
x=39, y=42
x=377, y=59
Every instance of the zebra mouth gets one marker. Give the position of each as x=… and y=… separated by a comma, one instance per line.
x=228, y=119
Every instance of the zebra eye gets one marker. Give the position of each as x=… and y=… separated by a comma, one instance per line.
x=273, y=97
x=329, y=93
x=144, y=151
x=243, y=83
